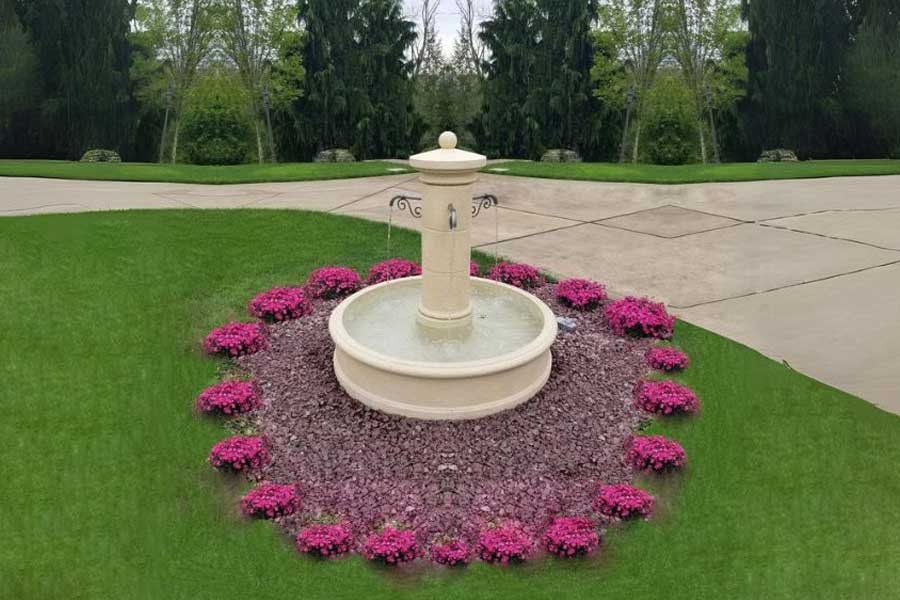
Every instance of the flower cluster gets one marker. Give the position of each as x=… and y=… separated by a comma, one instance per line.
x=332, y=282
x=325, y=540
x=236, y=339
x=394, y=268
x=391, y=546
x=517, y=274
x=271, y=501
x=239, y=453
x=504, y=544
x=474, y=269
x=640, y=317
x=568, y=537
x=280, y=304
x=624, y=502
x=655, y=453
x=666, y=398
x=229, y=398
x=453, y=553
x=581, y=294
x=666, y=358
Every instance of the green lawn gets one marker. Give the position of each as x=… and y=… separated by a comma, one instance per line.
x=252, y=173
x=698, y=173
x=792, y=489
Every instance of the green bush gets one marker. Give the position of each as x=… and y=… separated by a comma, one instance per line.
x=216, y=129
x=670, y=130
x=100, y=155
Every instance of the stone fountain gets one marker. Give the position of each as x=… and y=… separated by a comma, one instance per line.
x=443, y=345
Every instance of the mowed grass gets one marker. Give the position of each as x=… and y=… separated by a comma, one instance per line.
x=181, y=173
x=791, y=492
x=698, y=173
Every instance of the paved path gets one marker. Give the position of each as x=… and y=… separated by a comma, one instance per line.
x=806, y=271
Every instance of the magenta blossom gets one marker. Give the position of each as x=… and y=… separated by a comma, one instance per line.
x=624, y=502
x=666, y=398
x=474, y=269
x=271, y=501
x=394, y=268
x=239, y=453
x=517, y=274
x=581, y=294
x=640, y=317
x=655, y=453
x=280, y=304
x=325, y=541
x=391, y=546
x=452, y=553
x=236, y=339
x=568, y=537
x=666, y=358
x=504, y=544
x=229, y=398
x=332, y=282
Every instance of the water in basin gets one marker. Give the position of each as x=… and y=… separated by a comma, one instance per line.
x=384, y=320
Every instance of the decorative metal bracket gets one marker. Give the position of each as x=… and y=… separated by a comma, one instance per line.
x=411, y=204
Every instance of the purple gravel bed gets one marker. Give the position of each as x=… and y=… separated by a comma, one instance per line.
x=544, y=457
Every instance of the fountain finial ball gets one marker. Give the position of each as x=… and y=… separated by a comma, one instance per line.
x=447, y=140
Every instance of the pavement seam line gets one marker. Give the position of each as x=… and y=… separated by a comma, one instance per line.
x=829, y=237
x=367, y=196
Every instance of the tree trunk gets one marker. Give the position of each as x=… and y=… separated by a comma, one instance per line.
x=259, y=144
x=702, y=142
x=637, y=142
x=175, y=141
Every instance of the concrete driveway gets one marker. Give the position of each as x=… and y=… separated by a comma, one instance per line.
x=806, y=271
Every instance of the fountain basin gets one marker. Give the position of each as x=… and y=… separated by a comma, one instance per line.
x=385, y=358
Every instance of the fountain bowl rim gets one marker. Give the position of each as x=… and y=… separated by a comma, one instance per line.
x=443, y=370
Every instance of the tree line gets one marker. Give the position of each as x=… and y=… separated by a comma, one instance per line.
x=664, y=81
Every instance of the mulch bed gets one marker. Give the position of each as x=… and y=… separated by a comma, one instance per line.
x=540, y=459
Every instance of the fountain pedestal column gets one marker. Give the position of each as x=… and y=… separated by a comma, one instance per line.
x=448, y=174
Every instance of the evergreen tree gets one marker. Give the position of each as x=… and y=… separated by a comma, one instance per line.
x=794, y=57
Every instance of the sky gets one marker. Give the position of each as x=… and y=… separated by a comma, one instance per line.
x=447, y=19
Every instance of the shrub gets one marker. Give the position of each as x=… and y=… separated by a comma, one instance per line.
x=474, y=269
x=624, y=502
x=777, y=155
x=100, y=155
x=582, y=294
x=229, y=398
x=332, y=282
x=504, y=544
x=666, y=398
x=271, y=501
x=391, y=546
x=655, y=453
x=394, y=268
x=216, y=129
x=239, y=453
x=236, y=339
x=334, y=155
x=568, y=537
x=665, y=358
x=325, y=540
x=280, y=304
x=640, y=317
x=517, y=274
x=562, y=155
x=452, y=553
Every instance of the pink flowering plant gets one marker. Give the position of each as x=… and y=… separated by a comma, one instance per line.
x=239, y=453
x=580, y=294
x=451, y=553
x=280, y=304
x=666, y=398
x=517, y=274
x=229, y=398
x=236, y=339
x=391, y=546
x=569, y=537
x=624, y=502
x=394, y=268
x=655, y=453
x=504, y=544
x=271, y=501
x=327, y=283
x=640, y=317
x=474, y=269
x=325, y=540
x=666, y=358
